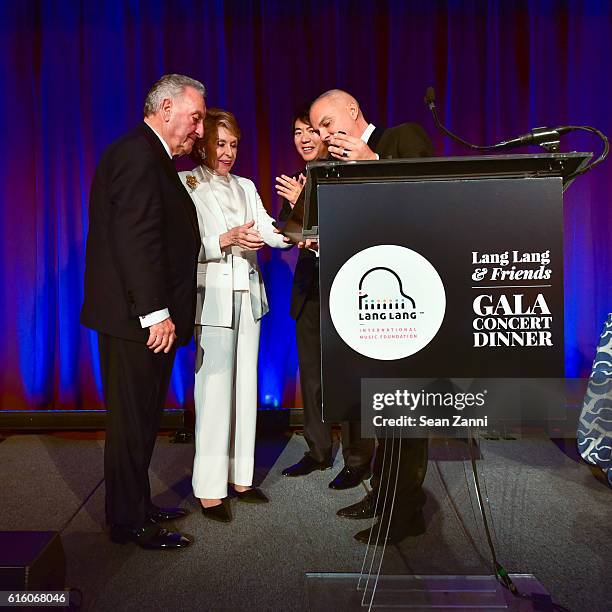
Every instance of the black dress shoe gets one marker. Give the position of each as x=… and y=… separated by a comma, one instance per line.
x=150, y=536
x=363, y=509
x=221, y=512
x=397, y=532
x=168, y=514
x=252, y=496
x=349, y=477
x=306, y=465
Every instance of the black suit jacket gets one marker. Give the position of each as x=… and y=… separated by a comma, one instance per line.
x=401, y=141
x=143, y=241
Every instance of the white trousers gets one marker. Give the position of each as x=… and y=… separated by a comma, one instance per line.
x=226, y=402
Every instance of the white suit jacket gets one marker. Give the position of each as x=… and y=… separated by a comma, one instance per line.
x=215, y=278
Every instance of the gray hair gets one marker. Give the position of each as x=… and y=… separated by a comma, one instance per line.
x=169, y=86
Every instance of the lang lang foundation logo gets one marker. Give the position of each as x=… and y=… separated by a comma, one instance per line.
x=394, y=305
x=387, y=302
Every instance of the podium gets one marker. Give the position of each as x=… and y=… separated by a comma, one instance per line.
x=436, y=268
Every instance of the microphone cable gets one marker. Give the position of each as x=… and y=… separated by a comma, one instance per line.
x=603, y=154
x=539, y=136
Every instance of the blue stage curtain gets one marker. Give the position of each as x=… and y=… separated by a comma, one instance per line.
x=74, y=76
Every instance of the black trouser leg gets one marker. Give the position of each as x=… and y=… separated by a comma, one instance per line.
x=357, y=451
x=308, y=334
x=410, y=457
x=135, y=382
x=160, y=401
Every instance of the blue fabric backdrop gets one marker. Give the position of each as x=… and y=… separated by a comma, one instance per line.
x=74, y=76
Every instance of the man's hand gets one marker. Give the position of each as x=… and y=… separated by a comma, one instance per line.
x=309, y=243
x=161, y=336
x=349, y=148
x=290, y=188
x=243, y=236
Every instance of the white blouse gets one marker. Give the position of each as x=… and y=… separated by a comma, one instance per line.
x=232, y=201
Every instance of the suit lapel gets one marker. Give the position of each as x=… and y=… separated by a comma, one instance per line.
x=205, y=196
x=191, y=213
x=170, y=170
x=249, y=205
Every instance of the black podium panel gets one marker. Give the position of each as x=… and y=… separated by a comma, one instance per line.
x=31, y=561
x=453, y=278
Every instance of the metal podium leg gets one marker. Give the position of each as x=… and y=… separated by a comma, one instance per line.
x=369, y=589
x=499, y=571
x=381, y=521
x=376, y=506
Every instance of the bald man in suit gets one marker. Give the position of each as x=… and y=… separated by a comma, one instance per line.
x=343, y=127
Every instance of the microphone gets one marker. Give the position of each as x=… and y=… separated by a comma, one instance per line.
x=543, y=136
x=430, y=98
x=538, y=136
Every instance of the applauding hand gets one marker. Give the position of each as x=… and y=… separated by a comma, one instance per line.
x=290, y=188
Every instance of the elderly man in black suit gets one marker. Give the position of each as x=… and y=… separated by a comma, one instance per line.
x=341, y=125
x=140, y=281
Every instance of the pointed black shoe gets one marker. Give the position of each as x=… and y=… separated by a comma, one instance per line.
x=221, y=512
x=305, y=466
x=168, y=514
x=252, y=496
x=149, y=536
x=398, y=531
x=349, y=477
x=363, y=509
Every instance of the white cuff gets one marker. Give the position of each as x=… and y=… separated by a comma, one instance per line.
x=154, y=317
x=212, y=248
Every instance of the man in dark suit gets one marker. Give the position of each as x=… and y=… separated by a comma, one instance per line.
x=140, y=280
x=341, y=124
x=357, y=451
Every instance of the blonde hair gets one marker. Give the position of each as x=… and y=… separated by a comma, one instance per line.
x=205, y=150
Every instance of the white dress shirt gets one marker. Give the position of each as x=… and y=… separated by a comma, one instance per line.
x=232, y=201
x=368, y=132
x=366, y=136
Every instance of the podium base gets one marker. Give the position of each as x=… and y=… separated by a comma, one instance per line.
x=337, y=591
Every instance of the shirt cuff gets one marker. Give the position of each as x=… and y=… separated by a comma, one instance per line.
x=154, y=317
x=212, y=248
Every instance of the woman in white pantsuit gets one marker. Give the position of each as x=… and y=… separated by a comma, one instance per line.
x=231, y=300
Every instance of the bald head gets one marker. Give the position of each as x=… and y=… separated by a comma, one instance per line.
x=337, y=96
x=336, y=110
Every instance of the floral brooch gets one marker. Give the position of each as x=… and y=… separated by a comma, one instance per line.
x=192, y=181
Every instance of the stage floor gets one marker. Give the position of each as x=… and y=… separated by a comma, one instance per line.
x=551, y=517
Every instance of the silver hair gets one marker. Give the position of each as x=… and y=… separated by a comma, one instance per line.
x=169, y=86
